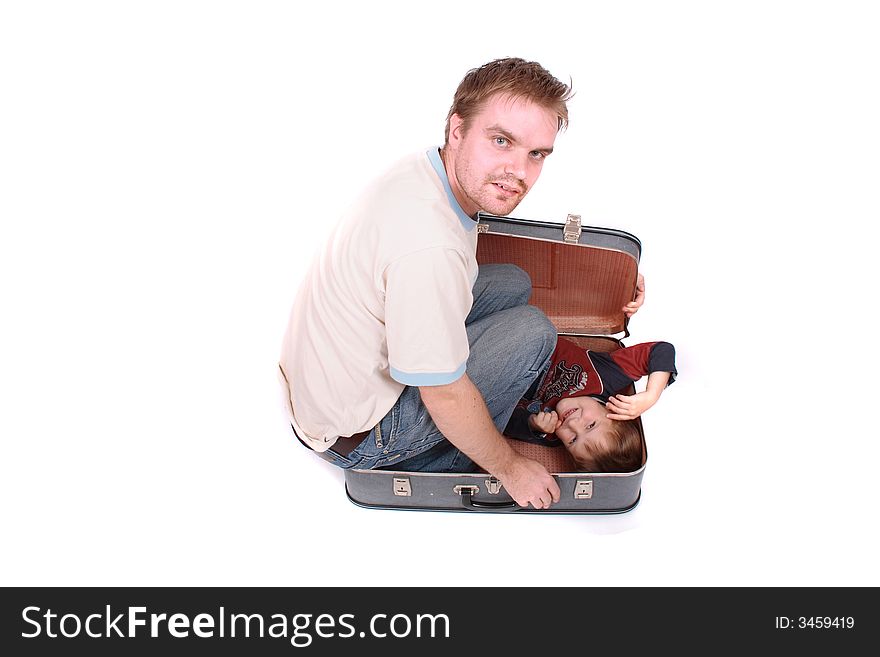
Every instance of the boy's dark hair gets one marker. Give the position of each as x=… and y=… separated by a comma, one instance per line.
x=625, y=454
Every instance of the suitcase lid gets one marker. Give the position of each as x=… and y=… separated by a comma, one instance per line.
x=582, y=276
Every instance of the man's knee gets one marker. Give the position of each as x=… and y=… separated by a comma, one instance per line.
x=517, y=275
x=520, y=283
x=507, y=280
x=534, y=332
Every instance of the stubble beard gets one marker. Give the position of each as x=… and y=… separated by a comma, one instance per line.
x=487, y=198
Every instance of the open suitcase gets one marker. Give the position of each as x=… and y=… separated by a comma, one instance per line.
x=581, y=278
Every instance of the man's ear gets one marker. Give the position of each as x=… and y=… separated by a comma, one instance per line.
x=456, y=129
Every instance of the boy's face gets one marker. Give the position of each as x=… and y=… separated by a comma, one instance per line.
x=583, y=423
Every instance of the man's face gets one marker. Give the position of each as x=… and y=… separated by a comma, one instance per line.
x=495, y=162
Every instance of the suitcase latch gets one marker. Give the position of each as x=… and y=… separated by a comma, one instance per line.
x=401, y=487
x=493, y=486
x=571, y=232
x=482, y=228
x=467, y=489
x=583, y=490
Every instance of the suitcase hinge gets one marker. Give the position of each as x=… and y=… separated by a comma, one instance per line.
x=571, y=232
x=401, y=487
x=493, y=486
x=583, y=490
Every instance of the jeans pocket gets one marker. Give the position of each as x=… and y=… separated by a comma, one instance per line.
x=408, y=450
x=377, y=445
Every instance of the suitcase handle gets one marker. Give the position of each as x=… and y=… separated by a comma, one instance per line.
x=469, y=503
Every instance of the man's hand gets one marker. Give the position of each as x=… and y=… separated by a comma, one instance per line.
x=459, y=412
x=528, y=481
x=544, y=422
x=623, y=407
x=633, y=306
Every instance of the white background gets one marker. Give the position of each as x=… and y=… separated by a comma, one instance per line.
x=167, y=170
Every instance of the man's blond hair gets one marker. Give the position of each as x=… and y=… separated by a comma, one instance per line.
x=513, y=77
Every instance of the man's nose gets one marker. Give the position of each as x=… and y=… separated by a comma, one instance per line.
x=516, y=164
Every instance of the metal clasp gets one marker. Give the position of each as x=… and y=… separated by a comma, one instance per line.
x=402, y=487
x=493, y=486
x=583, y=490
x=470, y=489
x=482, y=228
x=571, y=232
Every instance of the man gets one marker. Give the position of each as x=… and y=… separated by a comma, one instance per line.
x=397, y=353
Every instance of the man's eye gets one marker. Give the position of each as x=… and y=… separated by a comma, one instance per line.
x=537, y=155
x=593, y=424
x=501, y=141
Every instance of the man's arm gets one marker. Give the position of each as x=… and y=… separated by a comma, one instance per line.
x=460, y=413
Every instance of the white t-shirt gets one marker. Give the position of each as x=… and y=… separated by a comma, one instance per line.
x=383, y=306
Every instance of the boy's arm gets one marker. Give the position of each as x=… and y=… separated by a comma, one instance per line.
x=657, y=360
x=518, y=425
x=628, y=407
x=523, y=426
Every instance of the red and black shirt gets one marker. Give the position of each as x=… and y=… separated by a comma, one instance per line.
x=574, y=372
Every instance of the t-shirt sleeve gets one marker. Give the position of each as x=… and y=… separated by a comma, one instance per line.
x=428, y=295
x=642, y=359
x=518, y=425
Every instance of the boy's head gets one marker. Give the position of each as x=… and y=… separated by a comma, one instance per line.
x=596, y=443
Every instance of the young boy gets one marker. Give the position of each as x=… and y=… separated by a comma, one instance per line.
x=577, y=402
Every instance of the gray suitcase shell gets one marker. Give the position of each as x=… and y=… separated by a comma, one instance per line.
x=581, y=278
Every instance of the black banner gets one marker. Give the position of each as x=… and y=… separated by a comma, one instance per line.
x=428, y=621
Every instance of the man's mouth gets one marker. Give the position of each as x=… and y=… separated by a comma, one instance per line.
x=510, y=190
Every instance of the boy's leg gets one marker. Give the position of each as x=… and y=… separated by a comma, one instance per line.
x=508, y=350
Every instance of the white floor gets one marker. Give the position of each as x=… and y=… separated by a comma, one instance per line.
x=168, y=171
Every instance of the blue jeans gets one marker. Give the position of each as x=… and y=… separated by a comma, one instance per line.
x=510, y=344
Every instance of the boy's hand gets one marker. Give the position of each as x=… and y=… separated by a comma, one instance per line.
x=544, y=422
x=623, y=407
x=633, y=306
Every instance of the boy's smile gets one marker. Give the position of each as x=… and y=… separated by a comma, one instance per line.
x=583, y=424
x=569, y=413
